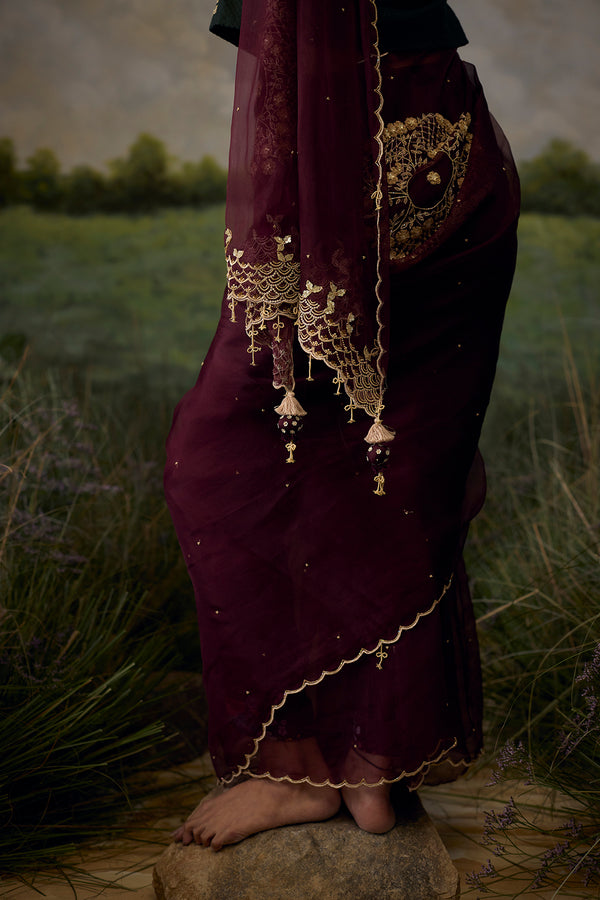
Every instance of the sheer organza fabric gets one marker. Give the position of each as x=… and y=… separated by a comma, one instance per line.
x=337, y=632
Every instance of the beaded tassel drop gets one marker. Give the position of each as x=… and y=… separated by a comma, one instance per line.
x=290, y=422
x=378, y=454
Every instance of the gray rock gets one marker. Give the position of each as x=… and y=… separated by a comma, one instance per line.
x=331, y=860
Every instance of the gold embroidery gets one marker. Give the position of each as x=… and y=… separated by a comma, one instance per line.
x=412, y=149
x=380, y=482
x=326, y=337
x=269, y=289
x=379, y=138
x=306, y=683
x=422, y=770
x=253, y=349
x=381, y=655
x=265, y=275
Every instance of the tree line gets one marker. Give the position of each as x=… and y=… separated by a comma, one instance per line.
x=562, y=179
x=145, y=179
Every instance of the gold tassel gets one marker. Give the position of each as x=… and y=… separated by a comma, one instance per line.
x=379, y=434
x=380, y=481
x=289, y=406
x=290, y=447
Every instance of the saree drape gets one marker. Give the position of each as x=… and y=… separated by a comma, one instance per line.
x=337, y=633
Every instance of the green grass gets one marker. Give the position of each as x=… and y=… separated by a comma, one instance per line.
x=112, y=294
x=555, y=288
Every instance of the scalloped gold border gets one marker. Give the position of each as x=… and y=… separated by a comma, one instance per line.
x=242, y=769
x=362, y=783
x=379, y=197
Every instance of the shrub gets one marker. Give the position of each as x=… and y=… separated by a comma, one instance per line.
x=10, y=185
x=562, y=180
x=85, y=191
x=42, y=181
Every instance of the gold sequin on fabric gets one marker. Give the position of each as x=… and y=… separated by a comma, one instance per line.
x=427, y=160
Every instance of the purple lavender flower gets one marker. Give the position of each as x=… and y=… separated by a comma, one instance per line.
x=474, y=879
x=572, y=828
x=590, y=869
x=552, y=856
x=512, y=759
x=496, y=822
x=587, y=721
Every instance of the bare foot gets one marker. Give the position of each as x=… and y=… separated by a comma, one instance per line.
x=370, y=807
x=256, y=805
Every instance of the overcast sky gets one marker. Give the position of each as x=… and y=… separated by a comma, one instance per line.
x=86, y=76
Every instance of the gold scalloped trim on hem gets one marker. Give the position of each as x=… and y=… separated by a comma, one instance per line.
x=242, y=769
x=362, y=782
x=462, y=764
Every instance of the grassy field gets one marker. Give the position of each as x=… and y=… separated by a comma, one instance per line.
x=117, y=295
x=118, y=313
x=112, y=295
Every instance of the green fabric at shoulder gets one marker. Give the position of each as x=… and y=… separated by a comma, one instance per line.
x=227, y=20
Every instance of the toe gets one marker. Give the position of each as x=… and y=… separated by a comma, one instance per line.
x=216, y=844
x=203, y=835
x=187, y=836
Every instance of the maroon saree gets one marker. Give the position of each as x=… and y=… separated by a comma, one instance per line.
x=371, y=221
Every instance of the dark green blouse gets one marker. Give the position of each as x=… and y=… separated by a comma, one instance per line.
x=403, y=24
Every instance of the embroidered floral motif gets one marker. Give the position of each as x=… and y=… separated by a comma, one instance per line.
x=328, y=336
x=427, y=161
x=269, y=289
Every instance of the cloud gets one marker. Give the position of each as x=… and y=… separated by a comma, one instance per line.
x=86, y=76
